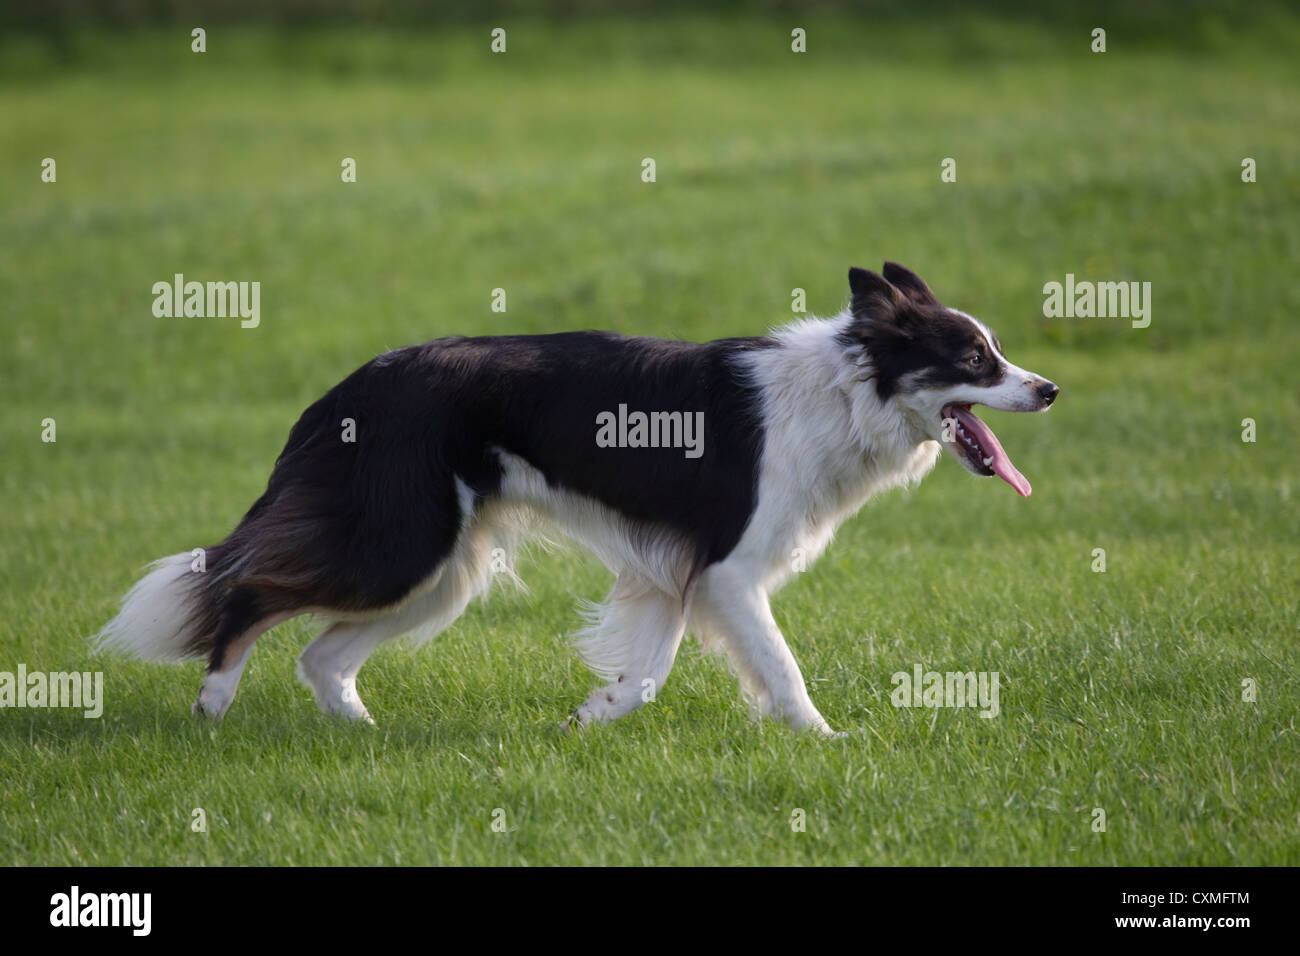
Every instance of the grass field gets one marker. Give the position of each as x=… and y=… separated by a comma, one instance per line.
x=1120, y=690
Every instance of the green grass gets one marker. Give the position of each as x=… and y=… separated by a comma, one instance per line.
x=1120, y=690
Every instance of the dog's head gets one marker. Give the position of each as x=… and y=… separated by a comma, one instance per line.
x=932, y=363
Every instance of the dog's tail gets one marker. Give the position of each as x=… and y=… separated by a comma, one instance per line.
x=181, y=609
x=191, y=605
x=327, y=534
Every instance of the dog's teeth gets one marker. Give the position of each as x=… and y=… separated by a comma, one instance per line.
x=988, y=462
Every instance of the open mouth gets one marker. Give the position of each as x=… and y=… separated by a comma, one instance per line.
x=980, y=451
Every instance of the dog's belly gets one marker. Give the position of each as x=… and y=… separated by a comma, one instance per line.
x=655, y=552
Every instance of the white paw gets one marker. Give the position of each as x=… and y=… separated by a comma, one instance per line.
x=212, y=701
x=820, y=725
x=581, y=717
x=334, y=696
x=342, y=700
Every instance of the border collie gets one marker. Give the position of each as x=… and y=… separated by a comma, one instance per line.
x=386, y=509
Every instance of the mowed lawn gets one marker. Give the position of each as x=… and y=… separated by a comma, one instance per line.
x=1121, y=691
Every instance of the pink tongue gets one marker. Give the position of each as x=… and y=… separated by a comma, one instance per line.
x=985, y=438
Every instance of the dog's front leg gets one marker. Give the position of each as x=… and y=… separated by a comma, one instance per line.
x=633, y=639
x=734, y=610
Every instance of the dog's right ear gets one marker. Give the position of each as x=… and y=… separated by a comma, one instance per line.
x=874, y=296
x=909, y=283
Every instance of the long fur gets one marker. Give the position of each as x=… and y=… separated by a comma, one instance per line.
x=464, y=447
x=158, y=619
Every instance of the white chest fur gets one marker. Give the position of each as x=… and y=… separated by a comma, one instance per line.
x=830, y=445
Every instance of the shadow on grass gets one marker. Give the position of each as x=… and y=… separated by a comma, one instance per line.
x=293, y=729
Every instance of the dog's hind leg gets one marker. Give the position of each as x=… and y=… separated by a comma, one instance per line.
x=330, y=664
x=632, y=641
x=226, y=666
x=730, y=608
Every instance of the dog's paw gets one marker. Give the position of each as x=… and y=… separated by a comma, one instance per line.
x=351, y=710
x=203, y=713
x=579, y=718
x=825, y=730
x=215, y=697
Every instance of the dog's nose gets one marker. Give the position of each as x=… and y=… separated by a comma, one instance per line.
x=1048, y=392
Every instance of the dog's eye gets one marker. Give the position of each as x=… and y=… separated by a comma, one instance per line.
x=975, y=359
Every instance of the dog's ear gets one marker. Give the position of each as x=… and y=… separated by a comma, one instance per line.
x=874, y=297
x=909, y=283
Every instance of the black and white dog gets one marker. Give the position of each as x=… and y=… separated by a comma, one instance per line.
x=693, y=471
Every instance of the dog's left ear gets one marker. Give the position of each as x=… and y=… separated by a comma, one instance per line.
x=909, y=283
x=874, y=297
